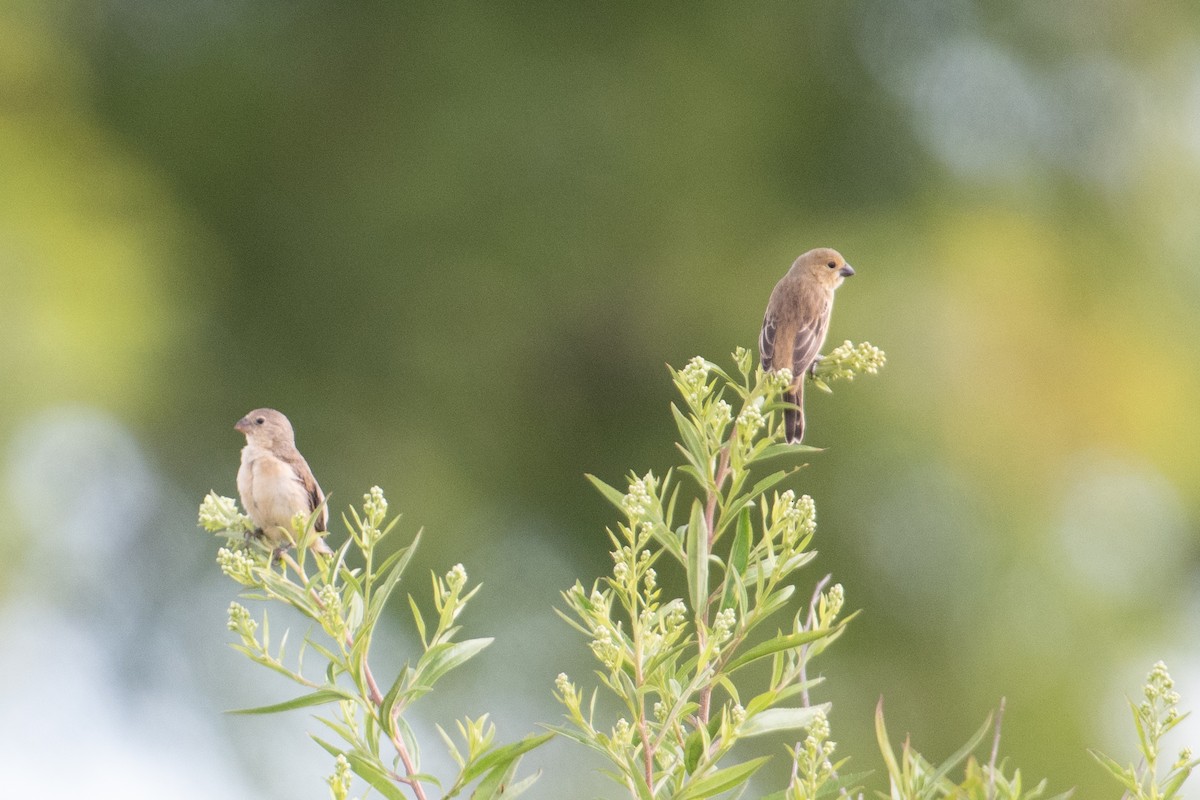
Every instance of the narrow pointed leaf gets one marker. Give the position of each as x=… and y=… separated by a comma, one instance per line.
x=380, y=598
x=739, y=556
x=441, y=658
x=961, y=753
x=885, y=745
x=614, y=496
x=722, y=780
x=782, y=719
x=375, y=776
x=693, y=443
x=778, y=644
x=319, y=697
x=502, y=755
x=494, y=784
x=697, y=559
x=776, y=450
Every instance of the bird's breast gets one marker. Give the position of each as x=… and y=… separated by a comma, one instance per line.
x=271, y=491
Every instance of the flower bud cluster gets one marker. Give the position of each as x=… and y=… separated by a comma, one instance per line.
x=743, y=359
x=781, y=379
x=375, y=508
x=724, y=624
x=848, y=360
x=661, y=627
x=568, y=694
x=794, y=519
x=456, y=578
x=239, y=565
x=830, y=605
x=331, y=611
x=622, y=735
x=241, y=622
x=693, y=381
x=751, y=420
x=814, y=766
x=220, y=515
x=339, y=781
x=1160, y=695
x=639, y=502
x=607, y=651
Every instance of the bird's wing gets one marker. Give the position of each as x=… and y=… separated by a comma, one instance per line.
x=316, y=498
x=766, y=340
x=810, y=335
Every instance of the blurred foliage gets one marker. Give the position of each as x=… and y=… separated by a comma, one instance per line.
x=457, y=244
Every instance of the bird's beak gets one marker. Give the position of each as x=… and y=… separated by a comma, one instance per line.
x=243, y=425
x=846, y=271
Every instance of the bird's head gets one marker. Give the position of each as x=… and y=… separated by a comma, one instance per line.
x=266, y=427
x=825, y=266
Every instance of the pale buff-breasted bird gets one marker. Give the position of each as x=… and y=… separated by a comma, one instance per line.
x=275, y=481
x=796, y=322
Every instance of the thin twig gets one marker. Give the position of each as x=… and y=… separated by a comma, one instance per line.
x=991, y=793
x=719, y=477
x=810, y=623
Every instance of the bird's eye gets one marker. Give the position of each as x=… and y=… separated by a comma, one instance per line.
x=832, y=265
x=260, y=421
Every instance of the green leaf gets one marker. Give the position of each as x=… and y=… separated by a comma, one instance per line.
x=319, y=697
x=782, y=719
x=517, y=789
x=502, y=755
x=779, y=643
x=441, y=658
x=492, y=786
x=771, y=480
x=349, y=735
x=961, y=753
x=374, y=775
x=1124, y=775
x=663, y=535
x=697, y=559
x=393, y=577
x=722, y=780
x=739, y=555
x=693, y=445
x=1174, y=783
x=693, y=748
x=885, y=746
x=333, y=751
x=418, y=619
x=776, y=450
x=613, y=496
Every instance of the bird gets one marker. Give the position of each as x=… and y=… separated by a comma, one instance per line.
x=796, y=322
x=275, y=481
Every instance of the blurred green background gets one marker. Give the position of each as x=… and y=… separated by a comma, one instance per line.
x=457, y=243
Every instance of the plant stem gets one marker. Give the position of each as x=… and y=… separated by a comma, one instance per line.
x=811, y=624
x=991, y=793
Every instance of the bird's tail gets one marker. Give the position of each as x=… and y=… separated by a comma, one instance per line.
x=793, y=418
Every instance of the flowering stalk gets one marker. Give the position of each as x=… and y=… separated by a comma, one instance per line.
x=346, y=604
x=671, y=662
x=1153, y=718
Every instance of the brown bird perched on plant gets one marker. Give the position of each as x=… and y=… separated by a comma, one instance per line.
x=796, y=322
x=275, y=481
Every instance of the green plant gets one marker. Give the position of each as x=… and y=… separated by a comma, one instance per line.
x=1153, y=718
x=912, y=777
x=678, y=667
x=346, y=605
